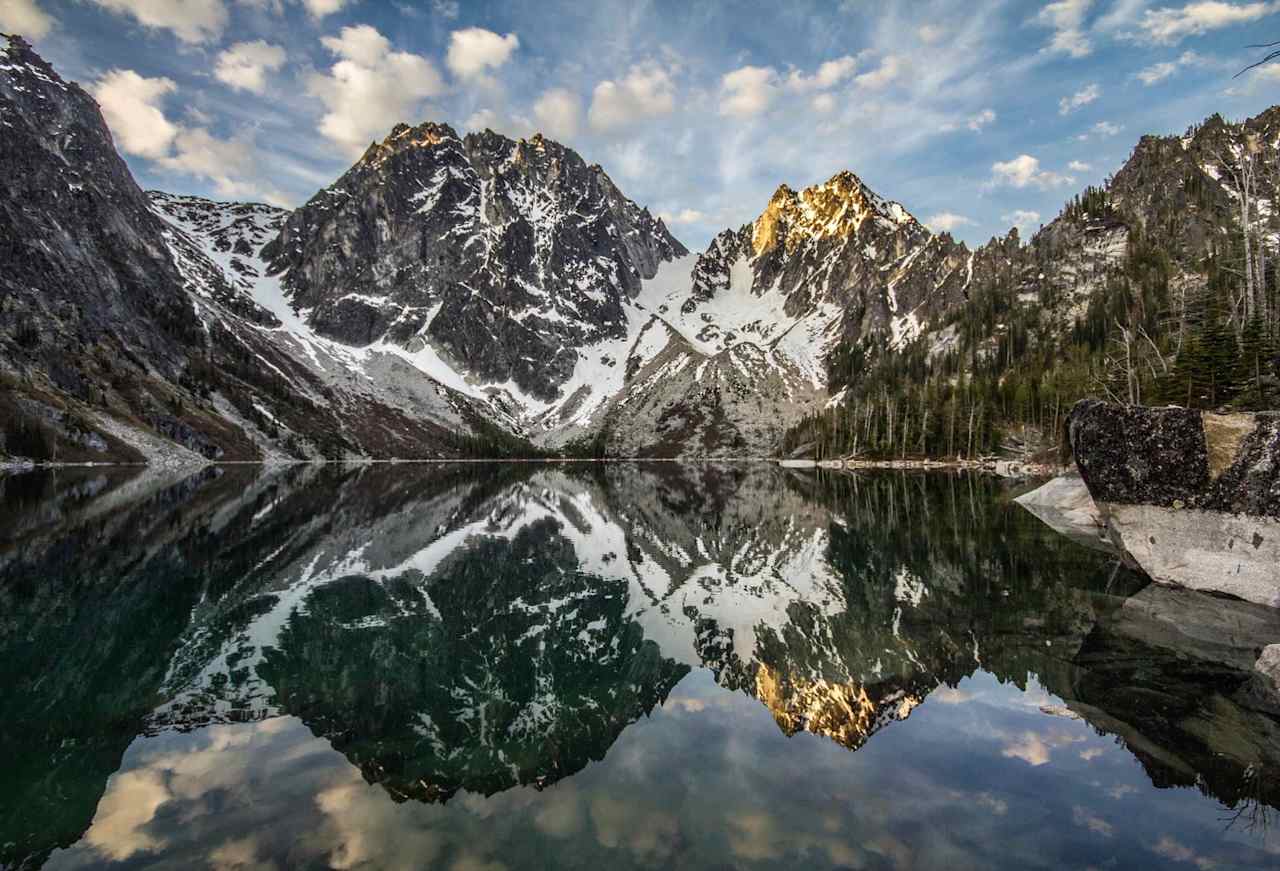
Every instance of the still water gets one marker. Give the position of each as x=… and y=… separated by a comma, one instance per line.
x=621, y=666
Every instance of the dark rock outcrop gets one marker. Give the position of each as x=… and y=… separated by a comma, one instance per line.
x=1178, y=458
x=1193, y=498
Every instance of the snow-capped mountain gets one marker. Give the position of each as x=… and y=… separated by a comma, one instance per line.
x=139, y=327
x=477, y=294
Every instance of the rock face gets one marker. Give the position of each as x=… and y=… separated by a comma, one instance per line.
x=505, y=256
x=69, y=208
x=1193, y=497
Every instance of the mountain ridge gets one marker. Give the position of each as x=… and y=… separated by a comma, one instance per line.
x=457, y=293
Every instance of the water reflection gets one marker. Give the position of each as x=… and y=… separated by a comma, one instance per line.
x=407, y=665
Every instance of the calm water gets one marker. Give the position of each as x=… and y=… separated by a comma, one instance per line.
x=488, y=667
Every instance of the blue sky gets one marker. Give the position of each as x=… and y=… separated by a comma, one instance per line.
x=975, y=115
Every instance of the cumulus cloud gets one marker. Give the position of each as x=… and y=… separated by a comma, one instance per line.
x=645, y=92
x=192, y=21
x=318, y=9
x=222, y=161
x=244, y=66
x=474, y=50
x=131, y=105
x=26, y=18
x=1066, y=19
x=557, y=112
x=1082, y=97
x=882, y=76
x=1169, y=26
x=1079, y=166
x=945, y=222
x=829, y=74
x=1024, y=171
x=747, y=91
x=370, y=88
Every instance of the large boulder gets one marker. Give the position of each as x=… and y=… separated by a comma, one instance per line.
x=1194, y=498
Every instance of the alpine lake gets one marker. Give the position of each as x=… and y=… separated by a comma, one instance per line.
x=608, y=665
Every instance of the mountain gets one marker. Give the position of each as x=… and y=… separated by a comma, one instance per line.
x=1158, y=287
x=147, y=327
x=476, y=295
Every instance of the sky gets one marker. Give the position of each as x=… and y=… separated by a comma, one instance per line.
x=977, y=116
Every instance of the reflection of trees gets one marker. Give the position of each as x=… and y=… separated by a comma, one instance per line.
x=462, y=627
x=505, y=667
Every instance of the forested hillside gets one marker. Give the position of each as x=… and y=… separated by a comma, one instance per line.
x=1159, y=287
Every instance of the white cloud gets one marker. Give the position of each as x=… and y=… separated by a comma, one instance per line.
x=747, y=91
x=1122, y=15
x=1161, y=71
x=320, y=8
x=645, y=92
x=1023, y=219
x=131, y=106
x=1024, y=171
x=1169, y=26
x=945, y=222
x=482, y=119
x=830, y=74
x=1157, y=72
x=1079, y=166
x=889, y=70
x=1082, y=97
x=474, y=50
x=370, y=88
x=1066, y=19
x=192, y=21
x=26, y=18
x=1101, y=130
x=684, y=216
x=244, y=66
x=823, y=104
x=558, y=112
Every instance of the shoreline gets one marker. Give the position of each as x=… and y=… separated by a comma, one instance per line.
x=1004, y=468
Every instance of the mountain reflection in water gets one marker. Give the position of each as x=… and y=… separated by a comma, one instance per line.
x=566, y=665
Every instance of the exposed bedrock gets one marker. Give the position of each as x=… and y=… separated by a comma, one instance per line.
x=1194, y=498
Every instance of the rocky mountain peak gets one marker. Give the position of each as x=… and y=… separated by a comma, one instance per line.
x=837, y=208
x=495, y=257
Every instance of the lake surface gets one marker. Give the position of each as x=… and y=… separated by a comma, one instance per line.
x=608, y=665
